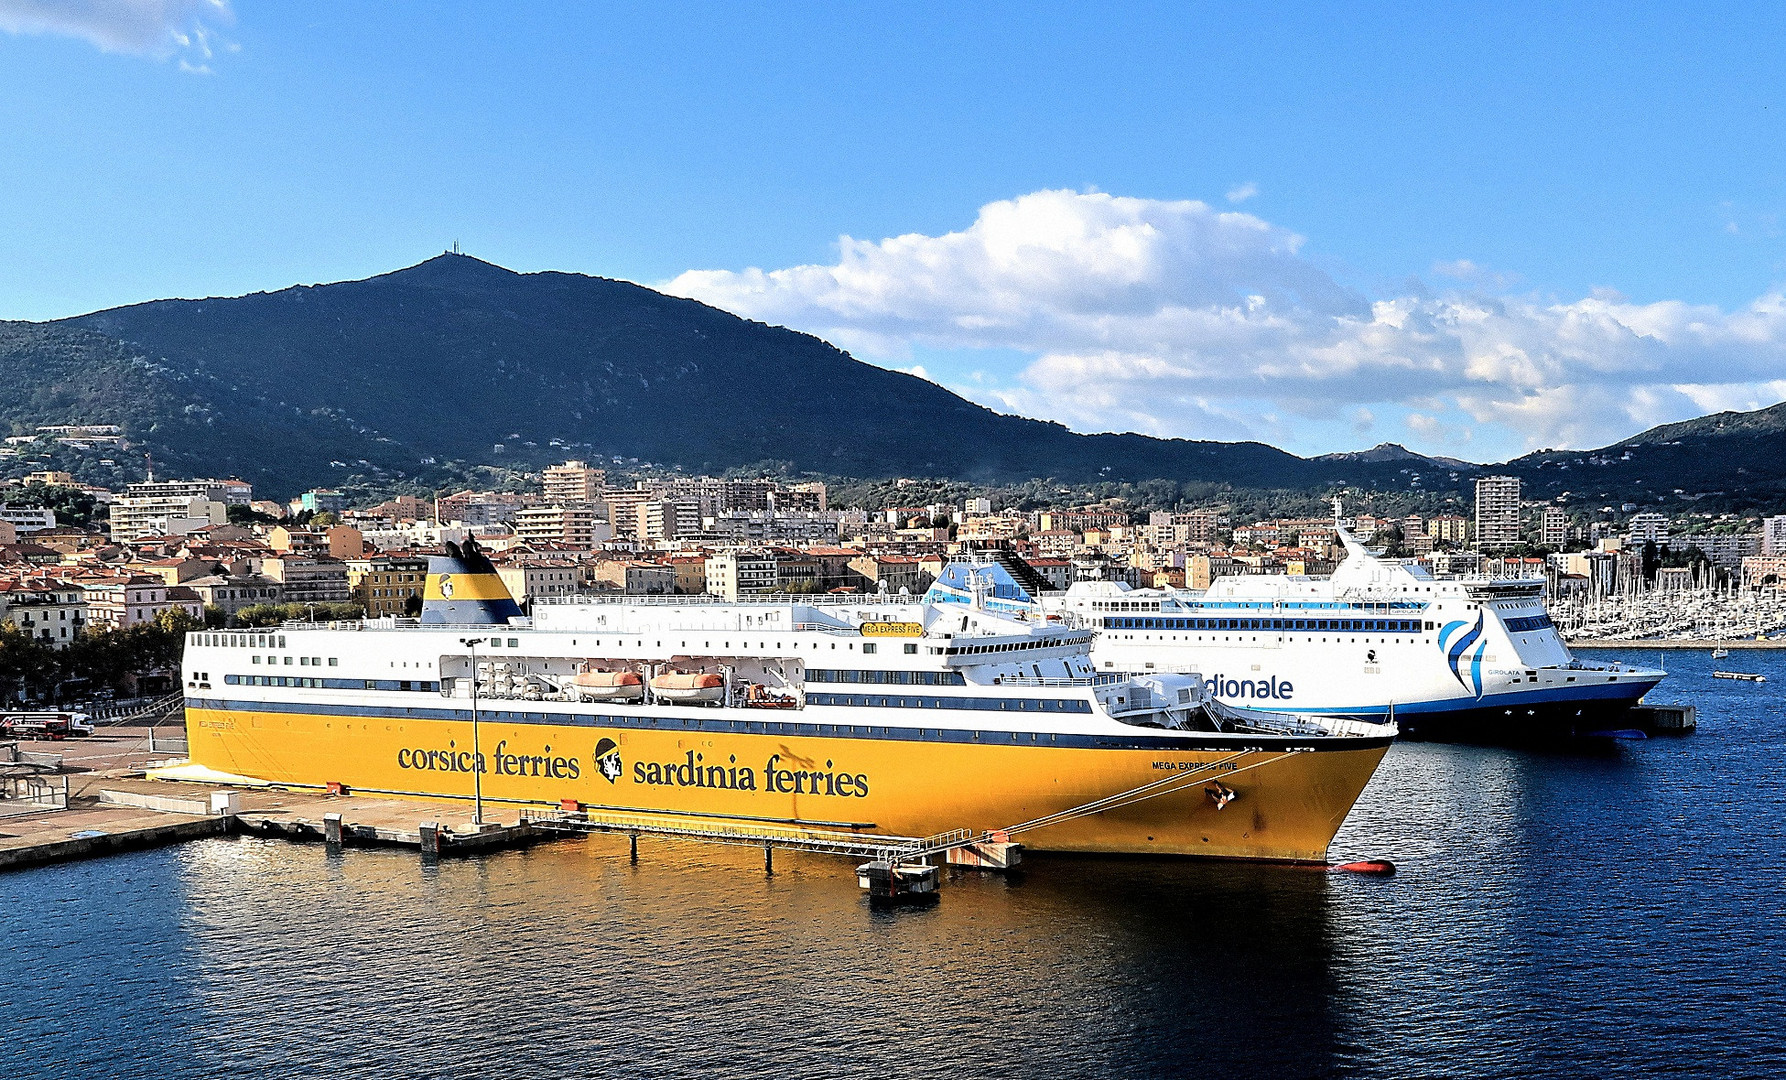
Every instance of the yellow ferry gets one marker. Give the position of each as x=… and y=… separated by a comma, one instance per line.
x=855, y=714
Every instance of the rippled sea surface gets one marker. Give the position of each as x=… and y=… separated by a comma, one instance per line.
x=1611, y=912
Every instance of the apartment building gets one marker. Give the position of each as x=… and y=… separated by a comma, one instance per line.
x=574, y=482
x=387, y=584
x=578, y=526
x=1498, y=513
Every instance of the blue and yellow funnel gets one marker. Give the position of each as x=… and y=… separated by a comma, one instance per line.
x=464, y=588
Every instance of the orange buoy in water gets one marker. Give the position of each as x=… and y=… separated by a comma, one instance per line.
x=1367, y=866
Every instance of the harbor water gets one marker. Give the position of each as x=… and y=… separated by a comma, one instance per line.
x=1610, y=911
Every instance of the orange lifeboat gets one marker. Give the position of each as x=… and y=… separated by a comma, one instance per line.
x=608, y=686
x=698, y=688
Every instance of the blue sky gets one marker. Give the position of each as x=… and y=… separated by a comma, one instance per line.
x=1474, y=231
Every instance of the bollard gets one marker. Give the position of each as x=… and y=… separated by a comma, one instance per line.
x=430, y=834
x=331, y=829
x=635, y=840
x=768, y=859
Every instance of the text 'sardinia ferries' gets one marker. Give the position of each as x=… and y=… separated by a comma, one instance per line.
x=1463, y=658
x=906, y=719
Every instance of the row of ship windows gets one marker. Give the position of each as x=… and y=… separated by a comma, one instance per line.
x=1355, y=626
x=239, y=641
x=897, y=678
x=1529, y=622
x=975, y=703
x=332, y=684
x=1143, y=605
x=1012, y=646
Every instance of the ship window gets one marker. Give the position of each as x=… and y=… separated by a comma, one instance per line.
x=334, y=661
x=254, y=659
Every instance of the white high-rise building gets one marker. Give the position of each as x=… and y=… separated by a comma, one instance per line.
x=1555, y=529
x=1497, y=512
x=1647, y=527
x=1773, y=535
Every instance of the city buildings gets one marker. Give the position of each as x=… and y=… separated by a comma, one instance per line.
x=1648, y=527
x=574, y=482
x=529, y=578
x=27, y=519
x=387, y=584
x=741, y=572
x=575, y=526
x=1448, y=528
x=309, y=579
x=1498, y=513
x=1773, y=535
x=1554, y=528
x=636, y=578
x=175, y=507
x=53, y=612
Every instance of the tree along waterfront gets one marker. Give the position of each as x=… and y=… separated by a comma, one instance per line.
x=132, y=659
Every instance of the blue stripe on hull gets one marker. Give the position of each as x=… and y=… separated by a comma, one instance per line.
x=1620, y=694
x=831, y=729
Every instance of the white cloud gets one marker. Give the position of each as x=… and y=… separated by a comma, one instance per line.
x=1240, y=193
x=181, y=30
x=1178, y=319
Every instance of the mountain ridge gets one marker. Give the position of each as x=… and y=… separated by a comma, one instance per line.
x=392, y=378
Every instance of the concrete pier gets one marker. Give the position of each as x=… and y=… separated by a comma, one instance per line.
x=993, y=855
x=898, y=883
x=1665, y=719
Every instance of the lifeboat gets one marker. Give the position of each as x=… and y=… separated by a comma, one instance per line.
x=695, y=688
x=608, y=686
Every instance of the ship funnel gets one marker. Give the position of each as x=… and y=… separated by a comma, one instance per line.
x=463, y=587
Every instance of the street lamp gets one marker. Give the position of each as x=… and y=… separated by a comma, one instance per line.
x=477, y=757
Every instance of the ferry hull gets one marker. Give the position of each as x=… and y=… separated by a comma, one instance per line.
x=1521, y=722
x=1285, y=798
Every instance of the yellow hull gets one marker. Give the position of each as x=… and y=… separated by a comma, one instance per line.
x=1285, y=806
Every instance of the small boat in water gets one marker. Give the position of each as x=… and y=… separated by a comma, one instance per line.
x=1744, y=676
x=691, y=688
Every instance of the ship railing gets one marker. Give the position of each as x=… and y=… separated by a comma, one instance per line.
x=1344, y=725
x=1051, y=681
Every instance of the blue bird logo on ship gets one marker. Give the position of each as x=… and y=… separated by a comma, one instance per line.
x=1462, y=648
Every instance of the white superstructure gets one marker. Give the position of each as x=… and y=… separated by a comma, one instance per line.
x=1378, y=636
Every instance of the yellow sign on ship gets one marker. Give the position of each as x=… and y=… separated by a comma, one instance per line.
x=892, y=629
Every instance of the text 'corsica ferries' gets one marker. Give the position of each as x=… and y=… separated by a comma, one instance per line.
x=899, y=718
x=1447, y=657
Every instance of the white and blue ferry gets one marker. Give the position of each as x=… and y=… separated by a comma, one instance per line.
x=1379, y=639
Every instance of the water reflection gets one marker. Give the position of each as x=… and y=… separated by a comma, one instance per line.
x=547, y=962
